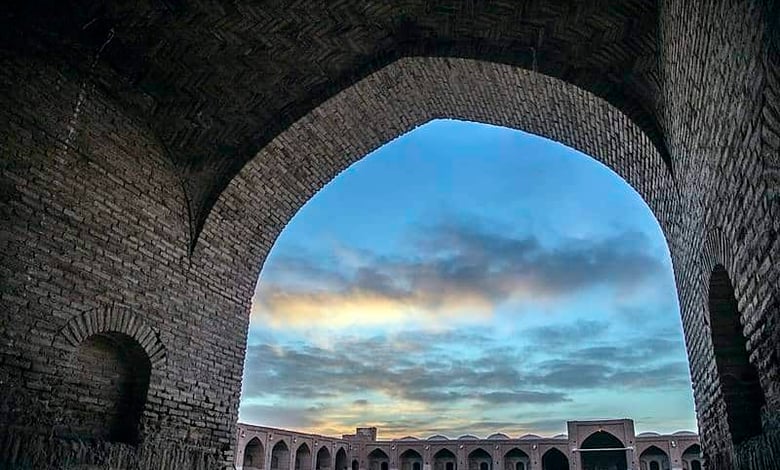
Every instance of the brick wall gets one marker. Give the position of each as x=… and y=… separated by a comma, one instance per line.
x=94, y=229
x=715, y=111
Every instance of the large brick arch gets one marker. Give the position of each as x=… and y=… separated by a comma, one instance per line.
x=260, y=200
x=268, y=63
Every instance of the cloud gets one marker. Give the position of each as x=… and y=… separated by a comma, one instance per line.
x=412, y=374
x=523, y=397
x=571, y=373
x=288, y=417
x=559, y=335
x=438, y=365
x=461, y=272
x=545, y=426
x=405, y=370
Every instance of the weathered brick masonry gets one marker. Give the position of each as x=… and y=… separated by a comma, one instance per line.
x=151, y=155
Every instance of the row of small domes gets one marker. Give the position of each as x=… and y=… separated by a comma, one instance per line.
x=471, y=437
x=499, y=436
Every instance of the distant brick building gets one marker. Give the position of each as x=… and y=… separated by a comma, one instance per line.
x=589, y=445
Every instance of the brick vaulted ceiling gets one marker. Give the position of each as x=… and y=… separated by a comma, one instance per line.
x=217, y=80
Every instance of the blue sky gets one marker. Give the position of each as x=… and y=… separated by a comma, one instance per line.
x=467, y=278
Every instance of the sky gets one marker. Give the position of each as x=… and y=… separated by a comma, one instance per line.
x=468, y=279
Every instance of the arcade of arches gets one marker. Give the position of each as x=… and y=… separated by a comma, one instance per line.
x=589, y=445
x=151, y=155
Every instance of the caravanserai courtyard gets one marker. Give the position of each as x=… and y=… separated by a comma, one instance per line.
x=589, y=445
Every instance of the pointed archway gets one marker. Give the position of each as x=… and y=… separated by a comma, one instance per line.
x=554, y=459
x=280, y=456
x=603, y=450
x=323, y=461
x=411, y=460
x=378, y=460
x=254, y=455
x=653, y=458
x=445, y=459
x=480, y=459
x=516, y=459
x=303, y=457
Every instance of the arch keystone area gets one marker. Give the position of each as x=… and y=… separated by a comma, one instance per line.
x=114, y=319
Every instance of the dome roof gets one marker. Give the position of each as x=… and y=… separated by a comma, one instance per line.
x=498, y=435
x=647, y=433
x=684, y=433
x=438, y=437
x=468, y=437
x=409, y=438
x=530, y=436
x=561, y=436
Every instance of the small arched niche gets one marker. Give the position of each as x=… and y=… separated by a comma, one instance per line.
x=739, y=381
x=111, y=378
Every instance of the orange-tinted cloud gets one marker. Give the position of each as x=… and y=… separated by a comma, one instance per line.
x=279, y=308
x=462, y=274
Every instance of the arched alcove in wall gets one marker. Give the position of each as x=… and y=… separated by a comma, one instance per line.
x=479, y=459
x=280, y=456
x=653, y=458
x=378, y=460
x=444, y=459
x=554, y=459
x=739, y=380
x=254, y=455
x=410, y=460
x=595, y=452
x=110, y=374
x=323, y=459
x=516, y=459
x=341, y=459
x=303, y=457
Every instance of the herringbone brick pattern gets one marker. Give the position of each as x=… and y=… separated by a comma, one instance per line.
x=218, y=82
